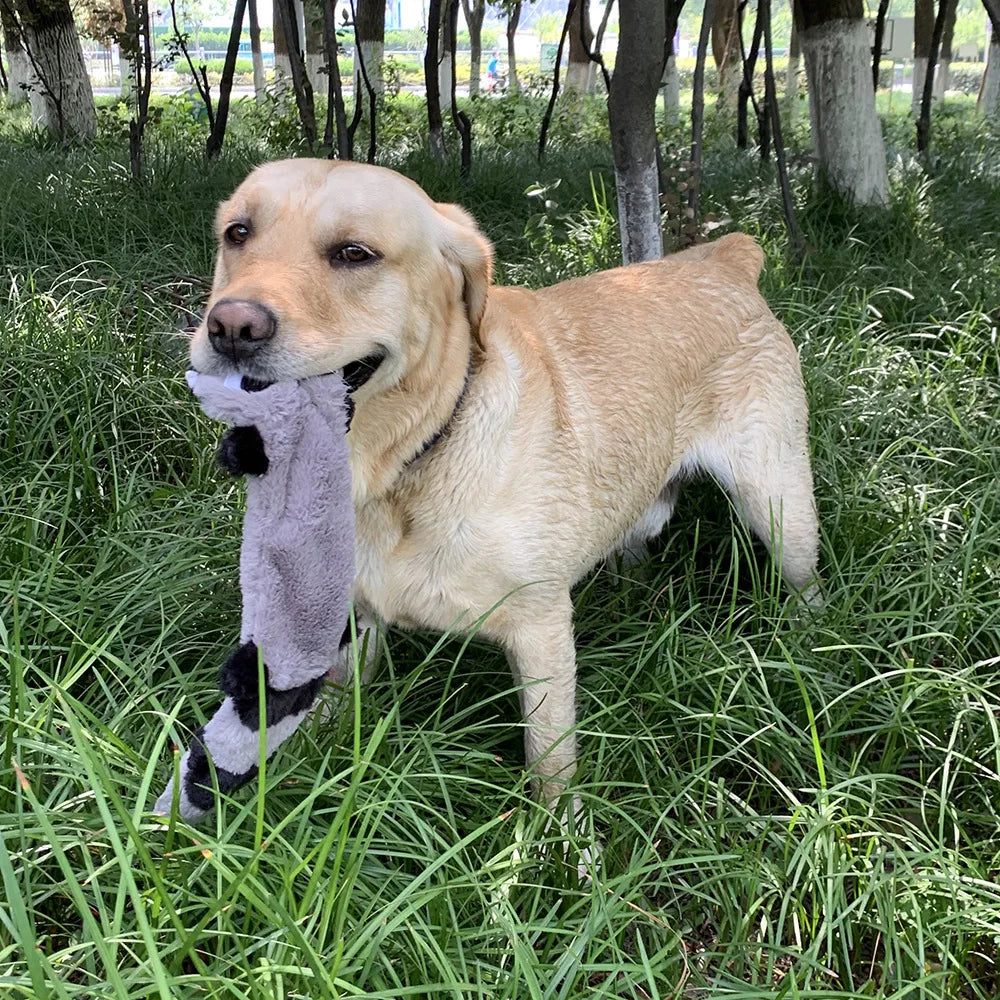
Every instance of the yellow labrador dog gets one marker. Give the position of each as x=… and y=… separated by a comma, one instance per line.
x=505, y=441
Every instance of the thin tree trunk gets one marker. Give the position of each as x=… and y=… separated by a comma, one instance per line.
x=315, y=46
x=218, y=134
x=19, y=69
x=435, y=126
x=883, y=9
x=200, y=75
x=513, y=19
x=446, y=65
x=771, y=100
x=475, y=12
x=632, y=117
x=923, y=31
x=749, y=63
x=336, y=114
x=944, y=56
x=459, y=118
x=61, y=98
x=924, y=121
x=581, y=38
x=698, y=121
x=847, y=135
x=138, y=43
x=726, y=50
x=670, y=84
x=547, y=117
x=259, y=82
x=300, y=80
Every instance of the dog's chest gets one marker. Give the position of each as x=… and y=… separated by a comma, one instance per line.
x=419, y=571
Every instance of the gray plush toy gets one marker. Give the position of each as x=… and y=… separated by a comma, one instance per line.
x=296, y=571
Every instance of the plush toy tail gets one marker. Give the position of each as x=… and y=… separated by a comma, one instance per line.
x=232, y=736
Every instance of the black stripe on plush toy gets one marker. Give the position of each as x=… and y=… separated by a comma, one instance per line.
x=239, y=679
x=198, y=777
x=241, y=452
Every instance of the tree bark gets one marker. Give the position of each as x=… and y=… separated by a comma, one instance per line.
x=944, y=56
x=60, y=94
x=632, y=116
x=446, y=64
x=213, y=145
x=18, y=67
x=883, y=9
x=285, y=9
x=259, y=82
x=923, y=31
x=282, y=61
x=847, y=136
x=698, y=121
x=989, y=92
x=792, y=73
x=459, y=118
x=670, y=84
x=543, y=132
x=726, y=51
x=370, y=33
x=435, y=126
x=474, y=14
x=924, y=121
x=315, y=48
x=748, y=62
x=336, y=114
x=581, y=39
x=513, y=18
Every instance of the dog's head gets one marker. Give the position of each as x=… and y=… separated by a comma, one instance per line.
x=321, y=264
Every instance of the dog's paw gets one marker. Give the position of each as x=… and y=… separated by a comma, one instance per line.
x=241, y=452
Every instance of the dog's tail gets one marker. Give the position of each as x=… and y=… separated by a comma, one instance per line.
x=740, y=255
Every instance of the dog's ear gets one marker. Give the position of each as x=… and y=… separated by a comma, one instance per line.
x=466, y=246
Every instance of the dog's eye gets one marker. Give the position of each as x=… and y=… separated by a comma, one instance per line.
x=237, y=234
x=352, y=253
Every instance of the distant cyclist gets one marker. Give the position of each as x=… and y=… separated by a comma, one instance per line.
x=491, y=70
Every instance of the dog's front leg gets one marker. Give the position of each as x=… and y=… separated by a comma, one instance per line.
x=543, y=659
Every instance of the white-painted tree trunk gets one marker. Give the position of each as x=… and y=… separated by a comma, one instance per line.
x=792, y=87
x=670, y=88
x=18, y=75
x=919, y=76
x=577, y=78
x=282, y=71
x=989, y=93
x=639, y=212
x=315, y=61
x=941, y=75
x=373, y=53
x=444, y=81
x=62, y=100
x=847, y=136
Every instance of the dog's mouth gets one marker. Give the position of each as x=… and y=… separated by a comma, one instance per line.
x=356, y=374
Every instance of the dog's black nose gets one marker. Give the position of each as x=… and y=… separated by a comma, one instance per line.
x=239, y=329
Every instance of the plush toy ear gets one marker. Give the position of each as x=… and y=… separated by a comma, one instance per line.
x=466, y=246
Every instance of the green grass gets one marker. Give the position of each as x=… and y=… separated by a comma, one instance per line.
x=789, y=805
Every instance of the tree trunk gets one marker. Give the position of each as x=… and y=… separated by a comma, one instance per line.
x=792, y=74
x=435, y=126
x=370, y=33
x=944, y=57
x=726, y=51
x=61, y=97
x=336, y=115
x=446, y=63
x=258, y=58
x=18, y=67
x=282, y=61
x=697, y=123
x=285, y=9
x=581, y=40
x=459, y=118
x=474, y=12
x=924, y=121
x=513, y=85
x=847, y=136
x=923, y=29
x=632, y=116
x=215, y=139
x=883, y=9
x=670, y=84
x=315, y=55
x=989, y=92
